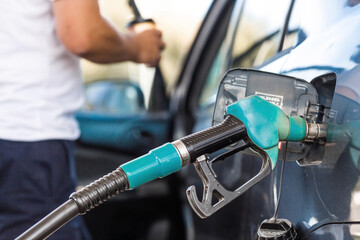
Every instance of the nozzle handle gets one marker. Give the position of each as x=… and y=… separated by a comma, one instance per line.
x=212, y=189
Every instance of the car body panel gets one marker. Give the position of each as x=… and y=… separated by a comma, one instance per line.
x=317, y=199
x=320, y=200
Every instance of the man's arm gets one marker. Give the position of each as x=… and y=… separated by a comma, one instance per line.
x=87, y=34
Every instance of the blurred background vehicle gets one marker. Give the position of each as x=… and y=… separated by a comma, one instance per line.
x=130, y=111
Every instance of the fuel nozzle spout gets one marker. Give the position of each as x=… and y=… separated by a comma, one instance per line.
x=316, y=131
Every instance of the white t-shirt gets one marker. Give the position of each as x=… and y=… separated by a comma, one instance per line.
x=40, y=81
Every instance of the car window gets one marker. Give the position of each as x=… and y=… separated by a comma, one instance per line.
x=179, y=24
x=255, y=39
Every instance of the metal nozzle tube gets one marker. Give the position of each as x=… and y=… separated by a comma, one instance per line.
x=315, y=131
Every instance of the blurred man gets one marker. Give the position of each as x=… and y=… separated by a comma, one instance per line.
x=40, y=89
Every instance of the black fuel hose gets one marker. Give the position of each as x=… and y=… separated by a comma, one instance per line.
x=209, y=140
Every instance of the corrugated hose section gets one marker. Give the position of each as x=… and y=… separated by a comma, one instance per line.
x=101, y=190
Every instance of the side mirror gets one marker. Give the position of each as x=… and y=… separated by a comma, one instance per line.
x=114, y=97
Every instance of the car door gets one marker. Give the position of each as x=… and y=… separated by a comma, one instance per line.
x=319, y=197
x=326, y=191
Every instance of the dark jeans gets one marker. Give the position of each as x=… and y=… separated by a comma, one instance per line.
x=35, y=178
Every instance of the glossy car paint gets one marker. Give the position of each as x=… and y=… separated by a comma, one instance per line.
x=322, y=201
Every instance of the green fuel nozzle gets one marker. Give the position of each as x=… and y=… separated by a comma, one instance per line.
x=262, y=122
x=252, y=120
x=267, y=124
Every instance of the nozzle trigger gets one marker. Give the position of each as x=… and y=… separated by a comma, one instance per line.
x=213, y=189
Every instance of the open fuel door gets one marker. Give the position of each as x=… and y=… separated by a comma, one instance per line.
x=295, y=97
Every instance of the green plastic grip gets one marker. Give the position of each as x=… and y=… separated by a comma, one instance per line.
x=297, y=131
x=159, y=162
x=267, y=124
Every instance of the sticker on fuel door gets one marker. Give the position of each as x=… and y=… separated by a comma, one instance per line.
x=274, y=99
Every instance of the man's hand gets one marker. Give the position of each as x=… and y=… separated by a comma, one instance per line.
x=84, y=32
x=149, y=44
